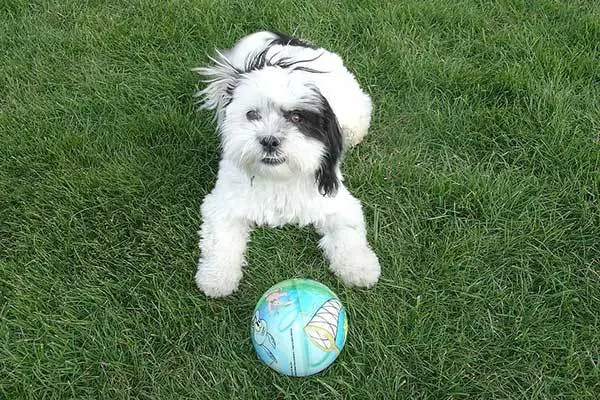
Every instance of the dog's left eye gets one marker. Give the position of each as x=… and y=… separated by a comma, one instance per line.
x=295, y=117
x=253, y=115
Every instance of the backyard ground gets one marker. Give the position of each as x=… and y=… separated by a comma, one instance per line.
x=480, y=182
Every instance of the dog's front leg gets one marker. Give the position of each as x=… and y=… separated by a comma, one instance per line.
x=222, y=246
x=345, y=243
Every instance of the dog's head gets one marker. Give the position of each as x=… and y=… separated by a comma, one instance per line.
x=273, y=121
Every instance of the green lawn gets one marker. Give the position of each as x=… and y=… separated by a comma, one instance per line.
x=480, y=182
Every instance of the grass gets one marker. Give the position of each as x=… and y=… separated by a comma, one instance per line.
x=480, y=183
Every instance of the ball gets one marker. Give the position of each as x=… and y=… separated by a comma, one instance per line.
x=299, y=327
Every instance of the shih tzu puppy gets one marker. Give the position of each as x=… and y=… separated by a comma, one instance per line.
x=286, y=112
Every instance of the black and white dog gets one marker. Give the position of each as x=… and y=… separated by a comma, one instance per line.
x=286, y=111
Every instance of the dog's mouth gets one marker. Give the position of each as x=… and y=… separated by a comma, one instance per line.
x=272, y=160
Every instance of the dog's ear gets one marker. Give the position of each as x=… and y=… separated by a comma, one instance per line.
x=221, y=78
x=327, y=174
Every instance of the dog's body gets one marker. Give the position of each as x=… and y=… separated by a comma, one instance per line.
x=286, y=112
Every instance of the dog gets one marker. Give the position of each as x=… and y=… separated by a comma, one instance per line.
x=286, y=112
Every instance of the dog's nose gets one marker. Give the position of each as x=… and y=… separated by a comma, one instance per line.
x=269, y=143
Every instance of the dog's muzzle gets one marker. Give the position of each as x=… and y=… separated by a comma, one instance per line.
x=271, y=145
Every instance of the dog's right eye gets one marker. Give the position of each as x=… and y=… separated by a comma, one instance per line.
x=253, y=115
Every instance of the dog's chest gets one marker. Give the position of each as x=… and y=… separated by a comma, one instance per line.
x=277, y=205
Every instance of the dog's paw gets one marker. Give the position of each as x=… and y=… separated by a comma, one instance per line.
x=217, y=282
x=359, y=267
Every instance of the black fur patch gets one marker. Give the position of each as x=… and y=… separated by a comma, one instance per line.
x=323, y=126
x=260, y=61
x=286, y=40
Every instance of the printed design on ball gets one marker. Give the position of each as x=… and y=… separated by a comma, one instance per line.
x=323, y=326
x=275, y=300
x=262, y=337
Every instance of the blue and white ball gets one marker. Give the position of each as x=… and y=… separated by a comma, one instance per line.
x=299, y=327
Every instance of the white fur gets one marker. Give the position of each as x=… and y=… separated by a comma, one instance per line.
x=248, y=192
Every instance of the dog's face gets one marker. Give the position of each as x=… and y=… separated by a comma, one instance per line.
x=275, y=124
